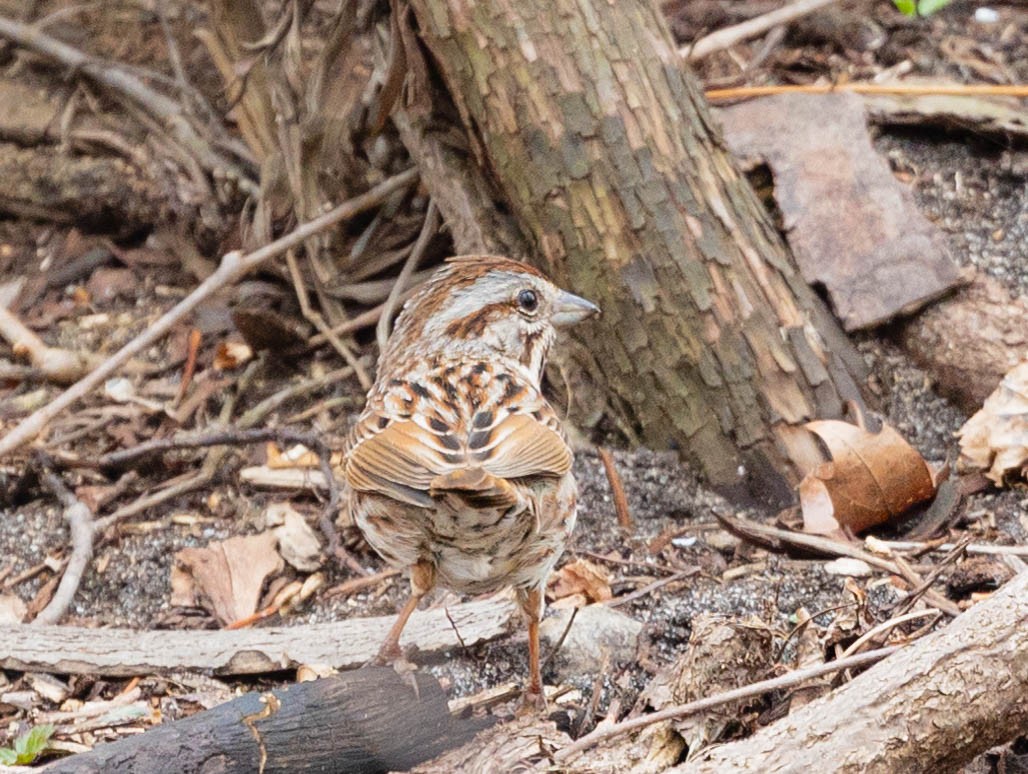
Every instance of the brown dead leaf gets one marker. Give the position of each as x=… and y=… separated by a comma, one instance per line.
x=995, y=439
x=581, y=582
x=871, y=478
x=227, y=576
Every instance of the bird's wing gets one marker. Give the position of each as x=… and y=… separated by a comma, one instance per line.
x=411, y=454
x=522, y=444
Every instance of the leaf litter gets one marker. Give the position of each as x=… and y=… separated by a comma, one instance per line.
x=736, y=579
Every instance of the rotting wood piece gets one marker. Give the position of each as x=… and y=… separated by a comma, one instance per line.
x=367, y=721
x=602, y=147
x=343, y=644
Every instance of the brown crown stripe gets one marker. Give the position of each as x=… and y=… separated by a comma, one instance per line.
x=474, y=325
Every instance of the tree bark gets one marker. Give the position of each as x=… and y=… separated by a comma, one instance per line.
x=934, y=707
x=363, y=722
x=601, y=146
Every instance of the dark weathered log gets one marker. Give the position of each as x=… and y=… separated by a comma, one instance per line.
x=370, y=720
x=933, y=707
x=601, y=146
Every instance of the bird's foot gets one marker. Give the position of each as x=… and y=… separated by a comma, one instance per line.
x=533, y=702
x=390, y=654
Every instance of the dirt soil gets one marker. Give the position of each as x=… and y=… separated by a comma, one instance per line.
x=973, y=188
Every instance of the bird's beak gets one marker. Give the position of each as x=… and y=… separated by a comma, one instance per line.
x=571, y=309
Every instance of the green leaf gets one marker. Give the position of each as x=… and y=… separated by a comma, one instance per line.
x=928, y=7
x=908, y=7
x=8, y=757
x=28, y=746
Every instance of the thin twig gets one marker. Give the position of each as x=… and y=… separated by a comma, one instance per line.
x=617, y=489
x=174, y=57
x=353, y=585
x=428, y=230
x=81, y=527
x=901, y=89
x=233, y=267
x=363, y=320
x=563, y=636
x=315, y=317
x=729, y=36
x=746, y=692
x=649, y=588
x=193, y=344
x=887, y=626
x=915, y=594
x=971, y=548
x=217, y=437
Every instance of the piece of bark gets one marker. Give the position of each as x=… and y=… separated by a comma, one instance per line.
x=602, y=148
x=341, y=644
x=854, y=229
x=969, y=340
x=369, y=720
x=931, y=707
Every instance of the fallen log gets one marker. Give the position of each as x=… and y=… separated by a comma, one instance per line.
x=340, y=644
x=931, y=707
x=369, y=720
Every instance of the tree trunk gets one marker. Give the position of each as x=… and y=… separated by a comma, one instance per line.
x=601, y=146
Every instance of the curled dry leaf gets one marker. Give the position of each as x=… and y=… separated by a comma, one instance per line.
x=871, y=478
x=580, y=583
x=996, y=438
x=227, y=576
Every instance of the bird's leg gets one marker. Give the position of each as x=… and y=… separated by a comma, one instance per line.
x=531, y=602
x=422, y=579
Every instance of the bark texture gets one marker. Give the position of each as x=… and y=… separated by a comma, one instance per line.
x=362, y=722
x=953, y=695
x=600, y=144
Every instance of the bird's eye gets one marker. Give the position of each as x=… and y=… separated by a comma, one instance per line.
x=528, y=301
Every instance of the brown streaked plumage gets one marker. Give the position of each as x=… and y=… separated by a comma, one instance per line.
x=458, y=468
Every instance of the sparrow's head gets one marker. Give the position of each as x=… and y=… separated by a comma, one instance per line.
x=485, y=306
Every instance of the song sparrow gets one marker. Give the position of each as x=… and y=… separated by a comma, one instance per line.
x=458, y=468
